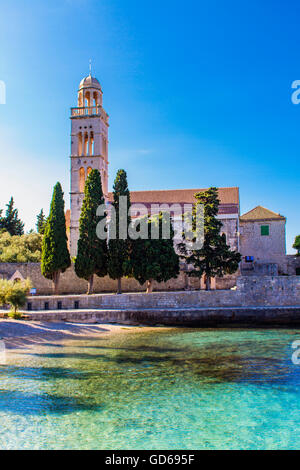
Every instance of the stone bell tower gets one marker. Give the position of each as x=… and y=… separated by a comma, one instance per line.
x=89, y=148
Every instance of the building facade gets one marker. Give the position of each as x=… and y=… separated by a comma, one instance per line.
x=258, y=235
x=263, y=244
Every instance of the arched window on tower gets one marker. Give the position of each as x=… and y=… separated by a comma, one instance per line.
x=87, y=99
x=92, y=144
x=86, y=144
x=104, y=147
x=88, y=171
x=81, y=180
x=95, y=99
x=80, y=143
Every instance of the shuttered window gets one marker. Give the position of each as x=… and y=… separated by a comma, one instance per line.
x=264, y=230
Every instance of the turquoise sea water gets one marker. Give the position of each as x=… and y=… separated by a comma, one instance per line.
x=154, y=389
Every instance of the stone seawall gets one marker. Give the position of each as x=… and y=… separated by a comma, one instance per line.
x=255, y=301
x=205, y=317
x=250, y=292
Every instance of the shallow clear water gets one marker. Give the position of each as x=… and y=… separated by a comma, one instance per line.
x=154, y=389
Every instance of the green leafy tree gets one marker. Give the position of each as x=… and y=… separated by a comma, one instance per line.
x=155, y=259
x=296, y=244
x=41, y=221
x=14, y=294
x=4, y=287
x=119, y=245
x=55, y=254
x=92, y=250
x=20, y=249
x=11, y=221
x=215, y=257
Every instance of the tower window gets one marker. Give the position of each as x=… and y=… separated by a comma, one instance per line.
x=86, y=144
x=87, y=99
x=81, y=180
x=80, y=143
x=265, y=230
x=92, y=144
x=95, y=99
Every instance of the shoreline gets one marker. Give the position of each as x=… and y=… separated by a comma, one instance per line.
x=22, y=334
x=26, y=334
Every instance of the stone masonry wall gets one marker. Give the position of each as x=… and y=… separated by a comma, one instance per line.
x=268, y=249
x=250, y=292
x=71, y=284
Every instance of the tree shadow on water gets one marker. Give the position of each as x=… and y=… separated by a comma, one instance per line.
x=48, y=373
x=141, y=348
x=23, y=403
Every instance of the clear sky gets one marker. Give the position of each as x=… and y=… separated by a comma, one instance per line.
x=198, y=93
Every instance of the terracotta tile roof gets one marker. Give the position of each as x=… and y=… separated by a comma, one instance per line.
x=261, y=213
x=226, y=195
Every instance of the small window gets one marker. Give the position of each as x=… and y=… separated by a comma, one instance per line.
x=265, y=230
x=46, y=306
x=249, y=259
x=59, y=305
x=297, y=271
x=76, y=304
x=29, y=306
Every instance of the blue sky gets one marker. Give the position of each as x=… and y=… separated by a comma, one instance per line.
x=198, y=93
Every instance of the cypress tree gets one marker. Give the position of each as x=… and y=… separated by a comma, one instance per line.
x=55, y=254
x=41, y=221
x=215, y=257
x=11, y=222
x=91, y=250
x=119, y=244
x=155, y=259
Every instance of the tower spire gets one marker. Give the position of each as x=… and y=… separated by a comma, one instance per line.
x=90, y=67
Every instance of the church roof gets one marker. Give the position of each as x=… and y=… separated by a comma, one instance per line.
x=180, y=196
x=261, y=213
x=89, y=82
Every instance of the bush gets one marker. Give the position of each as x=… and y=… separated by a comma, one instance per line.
x=14, y=294
x=4, y=289
x=15, y=315
x=20, y=249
